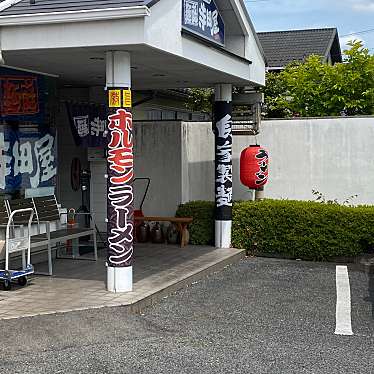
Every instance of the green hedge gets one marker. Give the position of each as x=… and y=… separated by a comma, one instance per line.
x=202, y=228
x=296, y=229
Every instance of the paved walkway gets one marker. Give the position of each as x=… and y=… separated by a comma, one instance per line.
x=79, y=285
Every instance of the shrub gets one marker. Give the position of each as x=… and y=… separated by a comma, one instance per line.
x=296, y=229
x=301, y=229
x=202, y=227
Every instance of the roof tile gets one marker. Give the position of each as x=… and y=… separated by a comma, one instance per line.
x=283, y=47
x=47, y=6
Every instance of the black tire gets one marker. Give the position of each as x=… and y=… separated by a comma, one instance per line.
x=7, y=285
x=22, y=281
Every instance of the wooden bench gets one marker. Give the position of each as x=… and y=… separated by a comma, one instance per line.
x=181, y=224
x=46, y=214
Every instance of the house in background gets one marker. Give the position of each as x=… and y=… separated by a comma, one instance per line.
x=284, y=47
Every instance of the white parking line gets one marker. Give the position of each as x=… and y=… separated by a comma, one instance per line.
x=343, y=302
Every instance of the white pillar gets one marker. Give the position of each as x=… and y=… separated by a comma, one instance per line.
x=120, y=173
x=118, y=69
x=260, y=194
x=223, y=164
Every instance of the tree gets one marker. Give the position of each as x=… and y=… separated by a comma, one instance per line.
x=200, y=100
x=315, y=88
x=273, y=91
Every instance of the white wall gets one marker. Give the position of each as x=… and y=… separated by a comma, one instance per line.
x=197, y=161
x=333, y=156
x=198, y=157
x=158, y=157
x=198, y=170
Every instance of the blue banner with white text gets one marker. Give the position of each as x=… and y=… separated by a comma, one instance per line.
x=28, y=158
x=201, y=17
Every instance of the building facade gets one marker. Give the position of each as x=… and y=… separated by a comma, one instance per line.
x=101, y=57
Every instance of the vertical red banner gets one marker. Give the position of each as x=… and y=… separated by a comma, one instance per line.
x=120, y=170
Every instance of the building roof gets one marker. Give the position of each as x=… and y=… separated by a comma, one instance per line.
x=12, y=9
x=19, y=7
x=284, y=47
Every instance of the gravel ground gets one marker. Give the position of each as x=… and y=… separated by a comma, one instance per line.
x=259, y=316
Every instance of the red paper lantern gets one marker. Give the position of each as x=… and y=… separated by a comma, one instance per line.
x=254, y=167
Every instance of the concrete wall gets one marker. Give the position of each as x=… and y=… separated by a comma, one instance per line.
x=334, y=156
x=197, y=161
x=198, y=157
x=158, y=157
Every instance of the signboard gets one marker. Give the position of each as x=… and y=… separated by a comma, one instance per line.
x=119, y=98
x=22, y=96
x=201, y=17
x=127, y=99
x=28, y=159
x=88, y=124
x=114, y=98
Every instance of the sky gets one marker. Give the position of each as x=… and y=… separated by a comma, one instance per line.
x=349, y=16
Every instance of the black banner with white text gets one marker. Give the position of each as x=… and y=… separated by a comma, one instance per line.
x=223, y=160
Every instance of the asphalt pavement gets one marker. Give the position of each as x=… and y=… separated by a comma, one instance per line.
x=258, y=316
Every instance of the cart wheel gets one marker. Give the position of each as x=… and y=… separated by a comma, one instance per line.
x=22, y=281
x=7, y=285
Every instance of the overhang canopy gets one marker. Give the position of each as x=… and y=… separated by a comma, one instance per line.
x=70, y=39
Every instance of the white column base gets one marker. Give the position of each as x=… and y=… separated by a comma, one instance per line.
x=223, y=234
x=223, y=92
x=119, y=279
x=259, y=194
